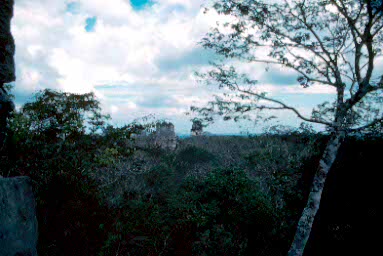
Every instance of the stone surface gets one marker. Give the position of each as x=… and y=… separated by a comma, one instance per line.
x=7, y=65
x=7, y=45
x=6, y=107
x=165, y=136
x=18, y=222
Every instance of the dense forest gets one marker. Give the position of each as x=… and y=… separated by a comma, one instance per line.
x=107, y=190
x=98, y=193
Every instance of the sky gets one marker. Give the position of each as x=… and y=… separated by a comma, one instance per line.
x=137, y=56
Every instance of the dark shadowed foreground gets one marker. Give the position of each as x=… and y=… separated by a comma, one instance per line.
x=211, y=196
x=18, y=223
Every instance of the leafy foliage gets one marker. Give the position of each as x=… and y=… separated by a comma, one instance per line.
x=193, y=154
x=243, y=202
x=331, y=43
x=49, y=133
x=328, y=43
x=208, y=215
x=55, y=140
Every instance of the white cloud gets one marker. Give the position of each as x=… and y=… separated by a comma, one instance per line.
x=124, y=52
x=313, y=89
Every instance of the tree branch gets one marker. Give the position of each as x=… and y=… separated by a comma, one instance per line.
x=292, y=67
x=371, y=124
x=284, y=107
x=350, y=21
x=314, y=66
x=304, y=21
x=306, y=47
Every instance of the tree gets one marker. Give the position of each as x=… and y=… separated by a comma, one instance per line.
x=61, y=115
x=62, y=128
x=331, y=43
x=54, y=121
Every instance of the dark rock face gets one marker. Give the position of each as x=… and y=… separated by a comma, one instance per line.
x=7, y=45
x=18, y=222
x=6, y=107
x=7, y=64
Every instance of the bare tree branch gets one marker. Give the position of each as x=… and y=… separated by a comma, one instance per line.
x=284, y=107
x=369, y=125
x=343, y=10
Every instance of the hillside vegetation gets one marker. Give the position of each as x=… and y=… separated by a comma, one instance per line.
x=99, y=195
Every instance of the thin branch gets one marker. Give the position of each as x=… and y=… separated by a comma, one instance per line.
x=285, y=107
x=313, y=65
x=293, y=67
x=371, y=124
x=379, y=85
x=377, y=30
x=300, y=44
x=342, y=44
x=350, y=21
x=304, y=21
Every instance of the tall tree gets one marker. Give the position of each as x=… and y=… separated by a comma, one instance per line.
x=330, y=43
x=54, y=132
x=57, y=116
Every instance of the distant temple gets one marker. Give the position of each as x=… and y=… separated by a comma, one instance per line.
x=165, y=136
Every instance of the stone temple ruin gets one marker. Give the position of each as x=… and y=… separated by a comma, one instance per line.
x=165, y=136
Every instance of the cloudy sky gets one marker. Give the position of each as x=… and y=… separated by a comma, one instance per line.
x=138, y=56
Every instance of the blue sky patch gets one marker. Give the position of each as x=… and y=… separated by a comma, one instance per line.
x=195, y=57
x=73, y=7
x=140, y=4
x=90, y=24
x=176, y=8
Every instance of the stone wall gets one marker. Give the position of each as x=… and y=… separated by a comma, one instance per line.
x=7, y=64
x=165, y=136
x=7, y=45
x=18, y=222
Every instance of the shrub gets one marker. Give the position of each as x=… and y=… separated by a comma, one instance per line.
x=50, y=145
x=220, y=207
x=139, y=228
x=204, y=215
x=108, y=157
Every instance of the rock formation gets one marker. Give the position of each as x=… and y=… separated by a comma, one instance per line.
x=7, y=64
x=197, y=128
x=18, y=223
x=7, y=45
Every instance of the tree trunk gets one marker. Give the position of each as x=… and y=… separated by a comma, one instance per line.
x=308, y=215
